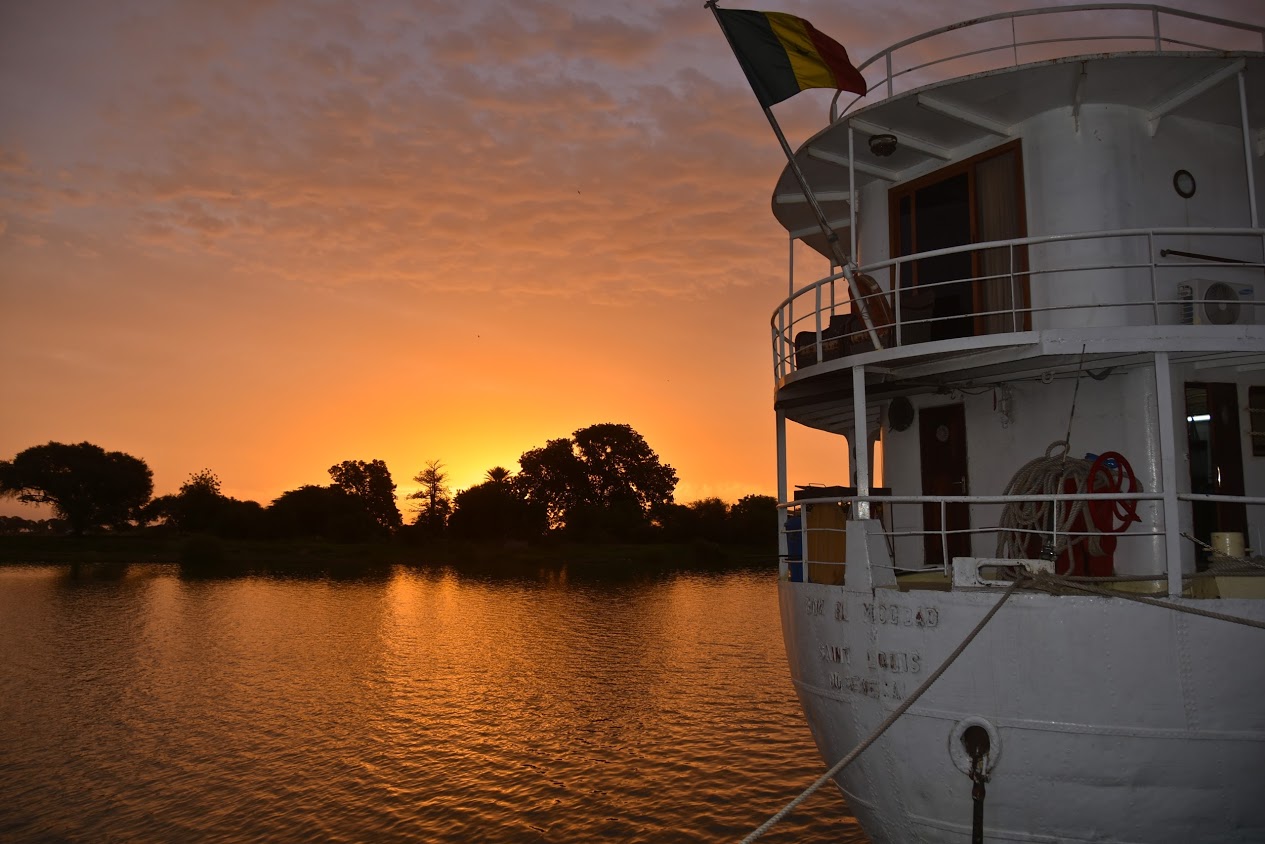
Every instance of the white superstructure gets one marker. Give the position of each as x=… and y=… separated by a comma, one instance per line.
x=1065, y=237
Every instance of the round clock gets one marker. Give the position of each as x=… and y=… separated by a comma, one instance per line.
x=1184, y=184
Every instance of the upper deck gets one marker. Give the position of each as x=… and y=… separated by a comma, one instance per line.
x=1016, y=196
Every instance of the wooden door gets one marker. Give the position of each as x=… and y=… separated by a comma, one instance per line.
x=942, y=446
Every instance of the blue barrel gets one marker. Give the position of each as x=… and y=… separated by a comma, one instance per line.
x=794, y=539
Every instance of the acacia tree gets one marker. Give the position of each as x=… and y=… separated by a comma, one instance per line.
x=553, y=477
x=371, y=483
x=87, y=486
x=434, y=495
x=604, y=480
x=621, y=464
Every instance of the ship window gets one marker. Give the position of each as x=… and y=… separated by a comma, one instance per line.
x=978, y=292
x=1256, y=416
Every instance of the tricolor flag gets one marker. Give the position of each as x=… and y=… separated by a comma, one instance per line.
x=783, y=55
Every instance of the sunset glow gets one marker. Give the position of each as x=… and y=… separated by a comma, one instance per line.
x=266, y=237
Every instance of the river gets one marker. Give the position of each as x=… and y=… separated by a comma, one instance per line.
x=414, y=705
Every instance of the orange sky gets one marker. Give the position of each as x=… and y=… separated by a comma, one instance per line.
x=265, y=237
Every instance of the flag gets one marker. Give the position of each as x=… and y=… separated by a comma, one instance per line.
x=783, y=55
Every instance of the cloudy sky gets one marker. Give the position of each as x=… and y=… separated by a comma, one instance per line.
x=263, y=237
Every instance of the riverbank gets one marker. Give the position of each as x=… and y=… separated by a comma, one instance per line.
x=214, y=556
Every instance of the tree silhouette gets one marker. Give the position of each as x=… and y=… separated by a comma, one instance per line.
x=201, y=507
x=195, y=509
x=622, y=465
x=434, y=495
x=605, y=481
x=328, y=512
x=495, y=510
x=753, y=520
x=710, y=517
x=87, y=485
x=498, y=475
x=553, y=477
x=371, y=483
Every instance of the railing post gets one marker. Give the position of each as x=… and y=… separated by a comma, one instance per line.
x=1155, y=23
x=1247, y=150
x=896, y=297
x=944, y=538
x=790, y=281
x=820, y=350
x=852, y=194
x=1054, y=535
x=1155, y=293
x=1014, y=292
x=861, y=446
x=1168, y=472
x=779, y=347
x=782, y=548
x=889, y=73
x=803, y=539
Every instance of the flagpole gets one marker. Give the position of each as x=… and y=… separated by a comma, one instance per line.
x=832, y=237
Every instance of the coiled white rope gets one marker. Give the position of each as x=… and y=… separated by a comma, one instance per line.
x=1045, y=476
x=882, y=728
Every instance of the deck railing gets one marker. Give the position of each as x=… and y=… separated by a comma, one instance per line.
x=907, y=539
x=1114, y=26
x=1126, y=277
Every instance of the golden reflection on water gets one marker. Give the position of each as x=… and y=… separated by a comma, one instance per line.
x=421, y=705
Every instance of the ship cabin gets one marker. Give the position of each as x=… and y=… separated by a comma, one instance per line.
x=1054, y=218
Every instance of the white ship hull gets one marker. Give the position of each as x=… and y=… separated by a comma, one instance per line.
x=1114, y=721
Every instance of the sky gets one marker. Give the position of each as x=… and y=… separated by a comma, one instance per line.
x=262, y=237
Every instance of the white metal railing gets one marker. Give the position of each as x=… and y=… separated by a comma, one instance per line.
x=1135, y=276
x=1152, y=30
x=797, y=539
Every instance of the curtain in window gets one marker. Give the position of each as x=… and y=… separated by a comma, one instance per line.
x=997, y=218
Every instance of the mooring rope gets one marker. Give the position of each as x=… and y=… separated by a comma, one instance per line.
x=882, y=728
x=1052, y=583
x=1221, y=562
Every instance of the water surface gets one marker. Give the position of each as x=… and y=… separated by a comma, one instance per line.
x=412, y=706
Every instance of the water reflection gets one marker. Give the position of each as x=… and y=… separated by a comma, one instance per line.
x=423, y=705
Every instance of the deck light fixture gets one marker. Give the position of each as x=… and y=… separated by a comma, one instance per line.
x=882, y=145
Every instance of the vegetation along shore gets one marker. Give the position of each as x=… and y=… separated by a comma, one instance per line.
x=599, y=498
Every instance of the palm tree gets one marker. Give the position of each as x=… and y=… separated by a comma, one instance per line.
x=498, y=475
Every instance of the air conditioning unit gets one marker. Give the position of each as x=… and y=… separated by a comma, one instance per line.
x=1207, y=302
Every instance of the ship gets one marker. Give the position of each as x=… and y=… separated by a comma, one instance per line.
x=1045, y=359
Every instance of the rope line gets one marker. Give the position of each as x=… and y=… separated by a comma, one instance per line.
x=1080, y=368
x=1052, y=583
x=882, y=728
x=1221, y=562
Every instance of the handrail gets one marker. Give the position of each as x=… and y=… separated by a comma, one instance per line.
x=992, y=499
x=1137, y=254
x=1035, y=240
x=1136, y=532
x=1154, y=36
